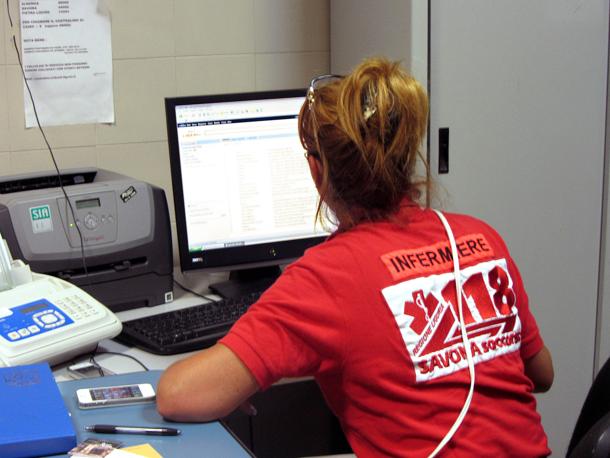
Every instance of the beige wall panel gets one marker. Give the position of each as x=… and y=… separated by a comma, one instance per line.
x=3, y=38
x=30, y=161
x=9, y=48
x=142, y=28
x=40, y=160
x=289, y=70
x=80, y=156
x=4, y=130
x=29, y=139
x=214, y=74
x=140, y=86
x=364, y=28
x=291, y=25
x=205, y=27
x=5, y=164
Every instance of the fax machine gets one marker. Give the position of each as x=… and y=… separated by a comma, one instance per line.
x=124, y=235
x=43, y=318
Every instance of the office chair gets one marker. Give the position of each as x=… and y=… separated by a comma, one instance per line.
x=591, y=436
x=595, y=443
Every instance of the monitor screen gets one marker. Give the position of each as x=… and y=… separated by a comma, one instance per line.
x=243, y=194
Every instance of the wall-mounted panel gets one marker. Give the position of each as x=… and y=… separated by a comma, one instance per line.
x=203, y=75
x=142, y=28
x=38, y=160
x=291, y=25
x=289, y=70
x=140, y=86
x=364, y=28
x=4, y=130
x=7, y=39
x=4, y=25
x=210, y=27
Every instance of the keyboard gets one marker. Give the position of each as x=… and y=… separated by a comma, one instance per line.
x=187, y=329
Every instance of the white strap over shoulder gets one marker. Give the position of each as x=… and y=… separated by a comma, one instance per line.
x=465, y=339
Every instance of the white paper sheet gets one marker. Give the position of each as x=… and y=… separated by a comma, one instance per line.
x=67, y=57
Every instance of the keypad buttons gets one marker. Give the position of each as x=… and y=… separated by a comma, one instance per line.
x=91, y=221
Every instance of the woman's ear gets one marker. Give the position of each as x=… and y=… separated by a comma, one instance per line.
x=315, y=168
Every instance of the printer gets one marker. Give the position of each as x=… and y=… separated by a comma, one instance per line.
x=112, y=239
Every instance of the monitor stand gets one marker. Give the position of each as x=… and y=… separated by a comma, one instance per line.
x=246, y=281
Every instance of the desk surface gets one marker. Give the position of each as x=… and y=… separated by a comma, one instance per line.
x=117, y=362
x=120, y=364
x=197, y=439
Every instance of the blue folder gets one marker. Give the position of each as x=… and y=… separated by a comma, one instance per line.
x=210, y=439
x=33, y=418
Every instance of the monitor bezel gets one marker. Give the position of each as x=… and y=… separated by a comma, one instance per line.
x=229, y=258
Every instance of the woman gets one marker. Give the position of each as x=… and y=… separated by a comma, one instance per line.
x=372, y=313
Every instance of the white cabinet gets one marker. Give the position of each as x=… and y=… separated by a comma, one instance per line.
x=521, y=86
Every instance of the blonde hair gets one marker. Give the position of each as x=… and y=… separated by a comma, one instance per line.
x=367, y=129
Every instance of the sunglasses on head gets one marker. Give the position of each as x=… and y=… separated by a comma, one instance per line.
x=317, y=82
x=322, y=80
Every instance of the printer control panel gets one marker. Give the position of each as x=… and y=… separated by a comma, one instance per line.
x=96, y=217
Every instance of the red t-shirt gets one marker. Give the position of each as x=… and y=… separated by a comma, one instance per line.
x=371, y=314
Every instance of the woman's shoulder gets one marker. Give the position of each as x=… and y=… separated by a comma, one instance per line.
x=336, y=246
x=334, y=256
x=468, y=220
x=466, y=223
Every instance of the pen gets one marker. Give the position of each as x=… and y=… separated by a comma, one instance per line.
x=147, y=430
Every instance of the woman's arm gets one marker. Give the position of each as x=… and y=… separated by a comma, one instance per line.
x=206, y=386
x=539, y=368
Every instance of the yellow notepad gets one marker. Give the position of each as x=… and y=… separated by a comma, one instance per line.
x=146, y=450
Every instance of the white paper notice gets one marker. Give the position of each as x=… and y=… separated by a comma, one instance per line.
x=67, y=57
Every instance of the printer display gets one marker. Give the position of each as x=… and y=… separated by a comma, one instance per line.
x=124, y=226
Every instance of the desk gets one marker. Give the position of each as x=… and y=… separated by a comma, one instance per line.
x=197, y=439
x=292, y=419
x=122, y=365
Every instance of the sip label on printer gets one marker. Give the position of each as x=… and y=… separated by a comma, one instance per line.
x=41, y=219
x=128, y=194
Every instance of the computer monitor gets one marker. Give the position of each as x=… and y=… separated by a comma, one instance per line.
x=244, y=198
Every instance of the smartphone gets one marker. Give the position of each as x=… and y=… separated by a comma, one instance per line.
x=87, y=370
x=107, y=396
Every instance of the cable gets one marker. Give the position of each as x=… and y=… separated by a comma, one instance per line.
x=61, y=185
x=96, y=353
x=100, y=369
x=465, y=339
x=188, y=290
x=8, y=12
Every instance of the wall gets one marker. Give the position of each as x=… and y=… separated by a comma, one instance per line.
x=164, y=48
x=360, y=28
x=602, y=336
